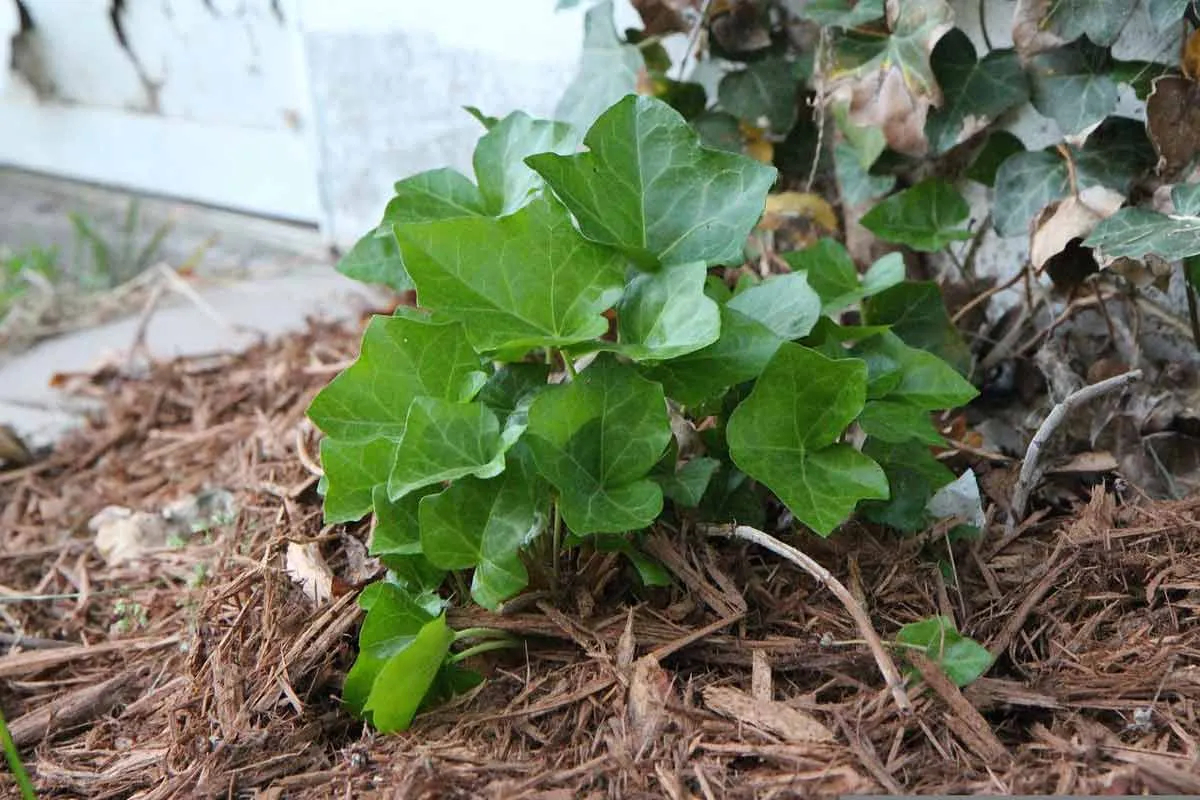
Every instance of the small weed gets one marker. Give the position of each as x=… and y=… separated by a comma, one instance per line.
x=130, y=616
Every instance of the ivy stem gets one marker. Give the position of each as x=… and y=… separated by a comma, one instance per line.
x=556, y=541
x=459, y=583
x=483, y=647
x=569, y=366
x=481, y=633
x=14, y=762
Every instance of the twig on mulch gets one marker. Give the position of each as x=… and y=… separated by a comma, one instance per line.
x=69, y=710
x=1031, y=469
x=886, y=666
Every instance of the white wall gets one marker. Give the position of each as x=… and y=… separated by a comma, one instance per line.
x=388, y=81
x=302, y=109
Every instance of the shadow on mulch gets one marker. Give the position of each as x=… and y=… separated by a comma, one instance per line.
x=745, y=680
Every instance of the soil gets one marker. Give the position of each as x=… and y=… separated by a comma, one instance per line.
x=203, y=669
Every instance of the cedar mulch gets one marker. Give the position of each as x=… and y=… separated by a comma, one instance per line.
x=744, y=680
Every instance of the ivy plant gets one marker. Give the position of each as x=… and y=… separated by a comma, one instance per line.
x=569, y=301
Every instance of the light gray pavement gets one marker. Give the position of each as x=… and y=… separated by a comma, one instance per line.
x=261, y=276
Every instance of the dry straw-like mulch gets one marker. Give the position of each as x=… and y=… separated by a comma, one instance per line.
x=744, y=680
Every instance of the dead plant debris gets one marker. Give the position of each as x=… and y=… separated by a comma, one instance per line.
x=201, y=669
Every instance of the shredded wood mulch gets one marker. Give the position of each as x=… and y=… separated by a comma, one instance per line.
x=202, y=669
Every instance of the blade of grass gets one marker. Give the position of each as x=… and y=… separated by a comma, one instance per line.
x=14, y=762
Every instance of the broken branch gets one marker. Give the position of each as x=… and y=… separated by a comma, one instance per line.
x=823, y=576
x=1031, y=470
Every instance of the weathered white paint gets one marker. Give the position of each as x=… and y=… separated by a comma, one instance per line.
x=248, y=169
x=312, y=111
x=76, y=50
x=305, y=109
x=227, y=63
x=203, y=100
x=388, y=82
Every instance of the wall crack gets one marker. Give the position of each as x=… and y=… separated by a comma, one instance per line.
x=151, y=86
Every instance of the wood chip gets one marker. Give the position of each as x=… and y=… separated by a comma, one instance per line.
x=782, y=720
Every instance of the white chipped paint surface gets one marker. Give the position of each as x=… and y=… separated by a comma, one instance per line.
x=311, y=109
x=302, y=109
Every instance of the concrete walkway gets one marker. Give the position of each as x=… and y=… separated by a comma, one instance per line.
x=262, y=277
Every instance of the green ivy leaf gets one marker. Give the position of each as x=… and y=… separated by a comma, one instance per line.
x=998, y=147
x=914, y=475
x=1025, y=184
x=685, y=486
x=407, y=677
x=785, y=304
x=1139, y=75
x=896, y=422
x=765, y=90
x=866, y=142
x=436, y=194
x=1113, y=156
x=352, y=471
x=608, y=70
x=917, y=314
x=1100, y=20
x=925, y=381
x=596, y=439
x=487, y=121
x=505, y=182
x=363, y=411
x=451, y=681
x=976, y=91
x=858, y=186
x=666, y=314
x=1166, y=14
x=1185, y=197
x=648, y=188
x=375, y=258
x=885, y=273
x=923, y=217
x=784, y=435
x=392, y=623
x=842, y=13
x=509, y=393
x=523, y=281
x=1136, y=232
x=962, y=659
x=396, y=531
x=831, y=272
x=719, y=130
x=739, y=355
x=650, y=571
x=484, y=524
x=443, y=441
x=1071, y=85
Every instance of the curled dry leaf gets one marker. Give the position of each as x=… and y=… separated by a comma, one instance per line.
x=1030, y=35
x=649, y=691
x=739, y=26
x=791, y=205
x=305, y=565
x=1066, y=220
x=894, y=89
x=1173, y=113
x=661, y=17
